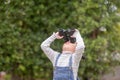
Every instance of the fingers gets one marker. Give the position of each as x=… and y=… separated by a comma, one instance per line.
x=58, y=36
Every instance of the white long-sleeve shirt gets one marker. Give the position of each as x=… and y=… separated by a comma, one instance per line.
x=64, y=58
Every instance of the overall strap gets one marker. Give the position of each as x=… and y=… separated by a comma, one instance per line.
x=57, y=59
x=70, y=61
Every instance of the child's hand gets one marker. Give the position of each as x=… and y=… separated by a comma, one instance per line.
x=58, y=36
x=76, y=32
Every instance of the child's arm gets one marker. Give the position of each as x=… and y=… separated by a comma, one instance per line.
x=45, y=46
x=80, y=45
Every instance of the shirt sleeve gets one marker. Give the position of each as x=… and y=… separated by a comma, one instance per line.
x=80, y=46
x=45, y=46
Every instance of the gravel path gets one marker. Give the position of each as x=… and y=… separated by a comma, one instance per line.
x=115, y=75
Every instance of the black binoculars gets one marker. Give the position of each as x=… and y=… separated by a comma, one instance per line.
x=67, y=35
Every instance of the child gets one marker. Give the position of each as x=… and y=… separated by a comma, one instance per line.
x=66, y=63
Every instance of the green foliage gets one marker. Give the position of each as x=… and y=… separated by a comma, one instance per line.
x=24, y=24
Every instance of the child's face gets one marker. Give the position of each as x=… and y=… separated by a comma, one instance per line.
x=69, y=46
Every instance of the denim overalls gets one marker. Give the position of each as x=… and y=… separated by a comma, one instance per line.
x=63, y=73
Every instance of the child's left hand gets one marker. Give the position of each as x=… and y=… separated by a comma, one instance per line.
x=58, y=36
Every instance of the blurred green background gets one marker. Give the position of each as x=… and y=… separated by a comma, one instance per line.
x=24, y=24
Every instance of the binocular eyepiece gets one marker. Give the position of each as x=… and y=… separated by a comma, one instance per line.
x=67, y=35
